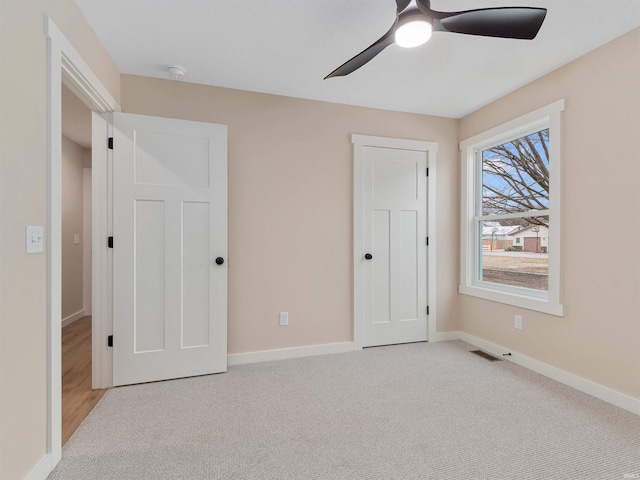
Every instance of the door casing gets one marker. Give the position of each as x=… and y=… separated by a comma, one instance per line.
x=359, y=142
x=65, y=66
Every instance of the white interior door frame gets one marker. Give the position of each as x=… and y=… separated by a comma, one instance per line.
x=359, y=142
x=65, y=65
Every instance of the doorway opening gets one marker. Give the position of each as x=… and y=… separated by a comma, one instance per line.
x=66, y=66
x=78, y=396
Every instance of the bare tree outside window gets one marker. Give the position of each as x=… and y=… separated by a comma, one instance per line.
x=515, y=176
x=515, y=180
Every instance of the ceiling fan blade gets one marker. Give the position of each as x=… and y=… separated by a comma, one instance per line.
x=504, y=22
x=363, y=57
x=401, y=5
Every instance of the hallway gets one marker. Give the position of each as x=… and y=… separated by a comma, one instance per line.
x=78, y=399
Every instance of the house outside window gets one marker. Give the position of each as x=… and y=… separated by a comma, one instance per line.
x=511, y=212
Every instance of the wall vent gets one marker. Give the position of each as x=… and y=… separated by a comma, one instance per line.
x=486, y=356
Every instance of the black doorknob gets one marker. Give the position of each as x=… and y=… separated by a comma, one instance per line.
x=219, y=261
x=368, y=256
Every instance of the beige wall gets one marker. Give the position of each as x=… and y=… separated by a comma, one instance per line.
x=73, y=156
x=23, y=380
x=291, y=206
x=598, y=337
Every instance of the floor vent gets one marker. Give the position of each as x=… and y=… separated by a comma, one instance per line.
x=486, y=356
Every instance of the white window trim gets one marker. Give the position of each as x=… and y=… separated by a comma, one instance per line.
x=547, y=302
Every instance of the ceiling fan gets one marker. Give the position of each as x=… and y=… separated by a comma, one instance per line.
x=415, y=21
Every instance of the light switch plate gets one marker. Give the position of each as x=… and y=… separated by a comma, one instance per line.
x=76, y=239
x=34, y=241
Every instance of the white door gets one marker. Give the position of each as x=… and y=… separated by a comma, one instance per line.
x=169, y=228
x=394, y=239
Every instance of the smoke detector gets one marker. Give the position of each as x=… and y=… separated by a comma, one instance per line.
x=176, y=71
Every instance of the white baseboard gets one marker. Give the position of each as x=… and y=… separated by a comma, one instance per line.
x=587, y=386
x=287, y=353
x=445, y=337
x=42, y=470
x=72, y=318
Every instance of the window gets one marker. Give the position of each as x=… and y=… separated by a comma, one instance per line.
x=511, y=212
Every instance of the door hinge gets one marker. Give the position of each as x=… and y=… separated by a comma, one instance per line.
x=110, y=143
x=110, y=242
x=427, y=241
x=427, y=310
x=427, y=171
x=110, y=341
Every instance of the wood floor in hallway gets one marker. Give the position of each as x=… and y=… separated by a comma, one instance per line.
x=78, y=399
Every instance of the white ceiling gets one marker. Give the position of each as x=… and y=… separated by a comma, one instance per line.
x=287, y=47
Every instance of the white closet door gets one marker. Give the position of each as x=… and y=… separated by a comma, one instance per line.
x=394, y=236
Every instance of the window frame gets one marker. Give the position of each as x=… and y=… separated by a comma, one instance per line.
x=549, y=116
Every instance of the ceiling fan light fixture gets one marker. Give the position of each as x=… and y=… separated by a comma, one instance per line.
x=415, y=21
x=413, y=33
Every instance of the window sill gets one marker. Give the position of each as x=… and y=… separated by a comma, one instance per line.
x=517, y=300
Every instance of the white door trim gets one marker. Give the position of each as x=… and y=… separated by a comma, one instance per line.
x=64, y=65
x=359, y=142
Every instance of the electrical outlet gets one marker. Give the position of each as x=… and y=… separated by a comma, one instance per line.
x=517, y=322
x=284, y=319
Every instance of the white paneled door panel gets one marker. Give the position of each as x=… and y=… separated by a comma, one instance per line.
x=394, y=237
x=170, y=227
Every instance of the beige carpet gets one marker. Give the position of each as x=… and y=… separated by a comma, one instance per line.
x=418, y=411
